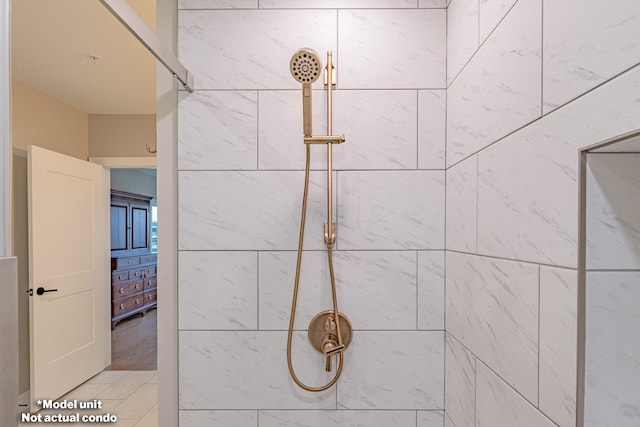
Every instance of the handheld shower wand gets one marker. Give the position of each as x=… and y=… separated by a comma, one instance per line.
x=305, y=67
x=329, y=331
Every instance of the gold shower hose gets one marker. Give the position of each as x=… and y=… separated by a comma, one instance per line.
x=295, y=291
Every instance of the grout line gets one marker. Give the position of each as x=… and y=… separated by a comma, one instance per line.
x=417, y=129
x=475, y=390
x=539, y=323
x=258, y=290
x=417, y=290
x=494, y=257
x=257, y=130
x=477, y=200
x=542, y=58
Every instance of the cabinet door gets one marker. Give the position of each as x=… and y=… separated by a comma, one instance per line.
x=140, y=228
x=120, y=243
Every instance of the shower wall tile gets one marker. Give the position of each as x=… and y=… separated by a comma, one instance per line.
x=603, y=42
x=390, y=210
x=447, y=420
x=432, y=126
x=228, y=49
x=491, y=13
x=432, y=4
x=462, y=206
x=337, y=418
x=430, y=419
x=219, y=418
x=219, y=130
x=612, y=368
x=337, y=4
x=498, y=405
x=462, y=35
x=499, y=90
x=492, y=309
x=613, y=192
x=380, y=127
x=431, y=290
x=246, y=370
x=540, y=163
x=248, y=210
x=218, y=290
x=376, y=290
x=460, y=380
x=281, y=143
x=392, y=49
x=393, y=370
x=217, y=4
x=558, y=344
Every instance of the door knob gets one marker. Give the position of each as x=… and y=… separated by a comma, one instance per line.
x=41, y=290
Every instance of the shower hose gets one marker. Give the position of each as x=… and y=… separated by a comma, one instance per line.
x=297, y=283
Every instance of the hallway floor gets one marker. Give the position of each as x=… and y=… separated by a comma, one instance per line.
x=132, y=396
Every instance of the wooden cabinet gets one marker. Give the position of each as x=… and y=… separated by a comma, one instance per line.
x=130, y=224
x=134, y=286
x=134, y=277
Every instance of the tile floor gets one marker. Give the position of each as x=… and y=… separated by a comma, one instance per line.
x=132, y=396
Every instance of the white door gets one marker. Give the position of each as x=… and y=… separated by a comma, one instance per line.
x=70, y=336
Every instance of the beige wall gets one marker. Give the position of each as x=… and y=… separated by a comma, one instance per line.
x=41, y=120
x=134, y=181
x=119, y=135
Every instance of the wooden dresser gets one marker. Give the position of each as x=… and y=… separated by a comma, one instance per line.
x=134, y=286
x=133, y=267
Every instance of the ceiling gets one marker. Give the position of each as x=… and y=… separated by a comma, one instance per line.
x=77, y=52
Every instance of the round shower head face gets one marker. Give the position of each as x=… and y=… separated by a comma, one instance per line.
x=305, y=66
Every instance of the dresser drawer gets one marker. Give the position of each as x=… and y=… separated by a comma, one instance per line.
x=150, y=296
x=151, y=271
x=150, y=282
x=148, y=259
x=120, y=263
x=137, y=273
x=127, y=304
x=119, y=276
x=122, y=290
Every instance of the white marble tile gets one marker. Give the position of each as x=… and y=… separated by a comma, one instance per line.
x=558, y=344
x=600, y=43
x=492, y=309
x=217, y=4
x=217, y=130
x=219, y=418
x=390, y=210
x=218, y=290
x=247, y=370
x=613, y=202
x=491, y=13
x=432, y=4
x=380, y=127
x=612, y=395
x=431, y=290
x=337, y=4
x=498, y=405
x=462, y=206
x=248, y=210
x=393, y=370
x=460, y=380
x=447, y=420
x=432, y=126
x=250, y=49
x=139, y=403
x=126, y=386
x=462, y=35
x=430, y=419
x=499, y=90
x=150, y=419
x=392, y=49
x=337, y=418
x=376, y=290
x=281, y=144
x=528, y=185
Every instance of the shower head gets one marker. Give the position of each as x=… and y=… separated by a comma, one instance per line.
x=305, y=66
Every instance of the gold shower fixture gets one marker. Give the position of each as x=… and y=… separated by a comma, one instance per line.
x=329, y=333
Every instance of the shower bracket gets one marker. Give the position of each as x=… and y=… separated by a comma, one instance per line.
x=324, y=139
x=329, y=237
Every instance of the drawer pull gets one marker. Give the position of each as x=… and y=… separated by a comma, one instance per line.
x=122, y=290
x=121, y=306
x=137, y=273
x=137, y=300
x=149, y=296
x=121, y=277
x=137, y=285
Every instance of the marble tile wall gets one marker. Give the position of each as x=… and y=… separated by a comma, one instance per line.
x=612, y=291
x=241, y=171
x=519, y=109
